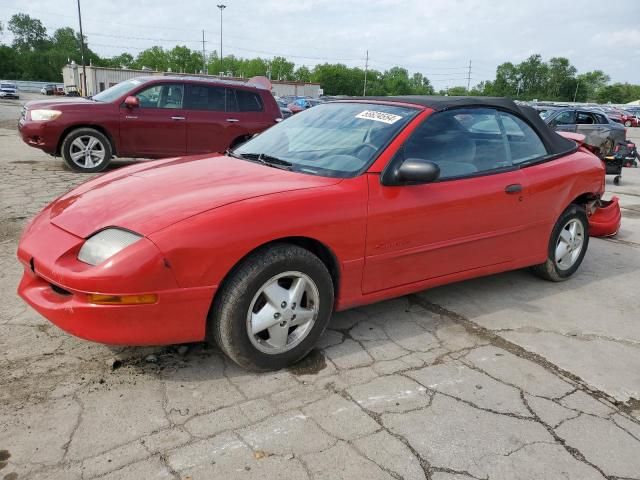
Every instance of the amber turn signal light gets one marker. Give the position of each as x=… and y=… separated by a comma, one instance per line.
x=100, y=299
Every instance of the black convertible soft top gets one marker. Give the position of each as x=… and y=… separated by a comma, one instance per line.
x=556, y=144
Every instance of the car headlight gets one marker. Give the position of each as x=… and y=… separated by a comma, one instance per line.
x=44, y=115
x=105, y=244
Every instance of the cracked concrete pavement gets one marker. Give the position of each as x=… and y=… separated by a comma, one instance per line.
x=505, y=377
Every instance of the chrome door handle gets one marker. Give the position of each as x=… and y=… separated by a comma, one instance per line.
x=513, y=188
x=233, y=120
x=177, y=118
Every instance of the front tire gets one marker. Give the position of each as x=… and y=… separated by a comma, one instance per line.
x=567, y=245
x=86, y=150
x=272, y=309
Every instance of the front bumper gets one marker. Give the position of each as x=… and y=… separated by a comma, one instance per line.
x=57, y=286
x=179, y=316
x=40, y=135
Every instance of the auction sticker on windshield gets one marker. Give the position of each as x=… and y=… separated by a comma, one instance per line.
x=383, y=117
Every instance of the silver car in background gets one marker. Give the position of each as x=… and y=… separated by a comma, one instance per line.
x=599, y=130
x=9, y=90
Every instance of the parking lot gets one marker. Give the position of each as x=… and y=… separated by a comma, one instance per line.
x=504, y=377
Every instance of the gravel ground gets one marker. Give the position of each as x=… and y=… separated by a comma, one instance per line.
x=504, y=377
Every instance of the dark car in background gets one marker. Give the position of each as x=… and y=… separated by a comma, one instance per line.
x=601, y=133
x=284, y=110
x=48, y=89
x=149, y=117
x=9, y=90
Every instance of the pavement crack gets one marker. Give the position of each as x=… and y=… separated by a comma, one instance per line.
x=515, y=349
x=574, y=452
x=580, y=336
x=67, y=444
x=377, y=417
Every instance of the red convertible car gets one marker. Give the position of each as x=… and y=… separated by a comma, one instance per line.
x=343, y=204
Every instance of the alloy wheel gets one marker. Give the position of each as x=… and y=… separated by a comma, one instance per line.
x=569, y=245
x=87, y=152
x=283, y=312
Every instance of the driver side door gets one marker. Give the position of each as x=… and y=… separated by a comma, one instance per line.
x=470, y=218
x=157, y=127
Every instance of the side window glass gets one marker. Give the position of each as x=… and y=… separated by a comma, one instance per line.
x=248, y=101
x=585, y=118
x=524, y=142
x=565, y=118
x=462, y=142
x=202, y=97
x=165, y=95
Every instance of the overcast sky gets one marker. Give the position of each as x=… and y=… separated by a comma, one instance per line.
x=435, y=37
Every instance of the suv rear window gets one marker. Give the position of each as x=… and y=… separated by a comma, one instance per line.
x=249, y=101
x=202, y=97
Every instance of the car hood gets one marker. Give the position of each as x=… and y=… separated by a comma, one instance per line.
x=77, y=102
x=150, y=196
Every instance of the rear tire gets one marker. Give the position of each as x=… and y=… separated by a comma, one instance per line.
x=86, y=150
x=253, y=319
x=566, y=249
x=627, y=123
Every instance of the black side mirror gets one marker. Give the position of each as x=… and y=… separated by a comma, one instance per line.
x=413, y=170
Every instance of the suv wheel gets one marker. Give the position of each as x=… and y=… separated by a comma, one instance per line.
x=567, y=246
x=271, y=311
x=86, y=150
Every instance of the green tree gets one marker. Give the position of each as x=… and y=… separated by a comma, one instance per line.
x=155, y=58
x=282, y=69
x=29, y=33
x=302, y=74
x=10, y=66
x=396, y=81
x=124, y=60
x=183, y=60
x=619, y=93
x=338, y=79
x=560, y=80
x=420, y=85
x=589, y=85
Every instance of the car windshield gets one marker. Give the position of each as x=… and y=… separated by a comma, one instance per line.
x=334, y=140
x=7, y=85
x=115, y=92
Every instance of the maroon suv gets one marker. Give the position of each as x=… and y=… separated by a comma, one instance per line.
x=150, y=117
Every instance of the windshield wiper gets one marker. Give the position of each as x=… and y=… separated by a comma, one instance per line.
x=233, y=154
x=268, y=160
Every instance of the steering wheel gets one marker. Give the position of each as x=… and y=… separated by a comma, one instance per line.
x=360, y=148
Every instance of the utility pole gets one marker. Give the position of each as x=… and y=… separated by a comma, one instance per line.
x=221, y=7
x=469, y=77
x=204, y=56
x=576, y=92
x=366, y=67
x=84, y=69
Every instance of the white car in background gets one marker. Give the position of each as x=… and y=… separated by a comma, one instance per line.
x=8, y=90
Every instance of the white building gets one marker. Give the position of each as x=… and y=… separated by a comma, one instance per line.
x=101, y=78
